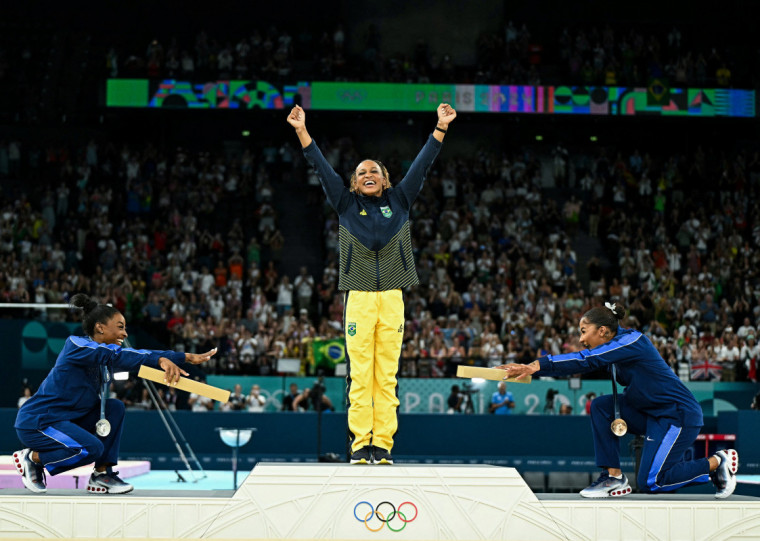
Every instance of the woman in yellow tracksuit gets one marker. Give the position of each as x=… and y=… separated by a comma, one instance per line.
x=376, y=262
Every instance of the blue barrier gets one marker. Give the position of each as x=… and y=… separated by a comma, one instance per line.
x=523, y=441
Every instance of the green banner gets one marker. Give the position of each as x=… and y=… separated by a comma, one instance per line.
x=658, y=98
x=380, y=96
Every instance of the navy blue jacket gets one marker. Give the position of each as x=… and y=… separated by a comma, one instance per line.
x=72, y=388
x=375, y=241
x=650, y=384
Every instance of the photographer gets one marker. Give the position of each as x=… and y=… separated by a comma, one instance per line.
x=502, y=402
x=313, y=398
x=455, y=400
x=549, y=406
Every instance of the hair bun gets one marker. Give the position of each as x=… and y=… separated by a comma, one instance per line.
x=84, y=302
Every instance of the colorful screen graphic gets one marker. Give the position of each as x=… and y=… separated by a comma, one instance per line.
x=572, y=100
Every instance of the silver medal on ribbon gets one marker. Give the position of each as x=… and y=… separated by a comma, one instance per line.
x=103, y=427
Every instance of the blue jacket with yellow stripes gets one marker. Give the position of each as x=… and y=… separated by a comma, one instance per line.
x=650, y=384
x=375, y=241
x=72, y=388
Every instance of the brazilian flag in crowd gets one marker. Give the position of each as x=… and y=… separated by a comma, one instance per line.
x=658, y=91
x=328, y=353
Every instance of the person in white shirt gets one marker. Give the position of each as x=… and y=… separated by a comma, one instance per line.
x=728, y=353
x=284, y=295
x=255, y=401
x=304, y=285
x=745, y=329
x=25, y=396
x=198, y=402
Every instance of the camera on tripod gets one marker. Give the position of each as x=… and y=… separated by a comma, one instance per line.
x=468, y=391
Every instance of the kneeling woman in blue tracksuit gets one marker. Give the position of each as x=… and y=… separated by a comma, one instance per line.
x=655, y=404
x=57, y=424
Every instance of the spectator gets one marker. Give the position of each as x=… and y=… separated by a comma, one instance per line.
x=26, y=394
x=255, y=401
x=589, y=397
x=289, y=399
x=455, y=400
x=237, y=400
x=304, y=285
x=502, y=402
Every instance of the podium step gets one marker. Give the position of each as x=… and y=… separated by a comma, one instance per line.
x=341, y=501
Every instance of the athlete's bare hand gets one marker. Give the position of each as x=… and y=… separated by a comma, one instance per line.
x=297, y=117
x=446, y=114
x=198, y=358
x=173, y=372
x=517, y=371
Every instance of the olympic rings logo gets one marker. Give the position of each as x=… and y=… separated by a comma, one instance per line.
x=385, y=521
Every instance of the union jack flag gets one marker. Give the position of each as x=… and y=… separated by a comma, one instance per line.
x=705, y=370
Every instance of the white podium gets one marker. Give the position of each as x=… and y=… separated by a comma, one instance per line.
x=287, y=501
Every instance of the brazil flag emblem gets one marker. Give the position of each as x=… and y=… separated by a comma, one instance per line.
x=387, y=212
x=351, y=329
x=329, y=352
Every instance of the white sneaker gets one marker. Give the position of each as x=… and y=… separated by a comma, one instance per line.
x=32, y=474
x=606, y=486
x=108, y=483
x=724, y=478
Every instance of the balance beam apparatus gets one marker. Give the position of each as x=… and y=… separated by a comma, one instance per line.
x=493, y=374
x=185, y=384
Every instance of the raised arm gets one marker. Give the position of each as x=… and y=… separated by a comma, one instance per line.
x=332, y=183
x=411, y=184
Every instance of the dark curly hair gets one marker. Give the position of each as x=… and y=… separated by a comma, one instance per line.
x=606, y=316
x=93, y=312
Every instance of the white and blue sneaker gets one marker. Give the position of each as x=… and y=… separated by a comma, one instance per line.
x=724, y=478
x=606, y=486
x=108, y=482
x=32, y=474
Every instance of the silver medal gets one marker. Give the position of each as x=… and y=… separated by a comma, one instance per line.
x=103, y=427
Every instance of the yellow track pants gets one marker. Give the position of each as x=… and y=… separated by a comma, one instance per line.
x=374, y=325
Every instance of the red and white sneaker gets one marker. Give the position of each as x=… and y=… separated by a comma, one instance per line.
x=724, y=478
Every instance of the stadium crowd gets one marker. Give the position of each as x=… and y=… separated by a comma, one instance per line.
x=187, y=243
x=159, y=235
x=587, y=54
